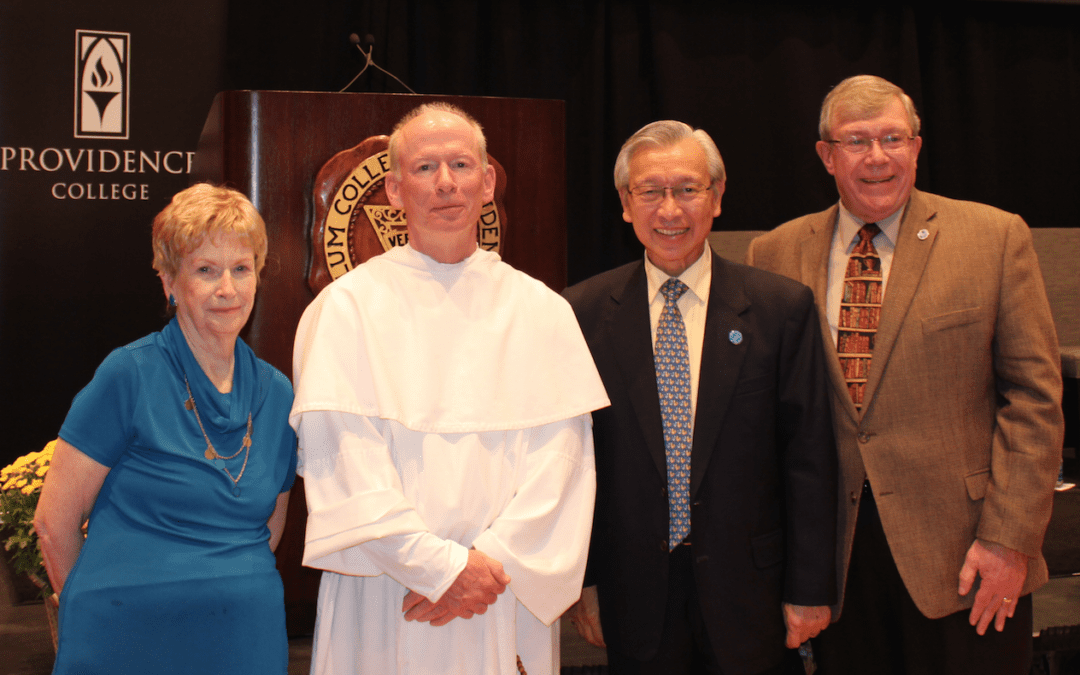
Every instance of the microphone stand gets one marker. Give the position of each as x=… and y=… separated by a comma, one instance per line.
x=355, y=39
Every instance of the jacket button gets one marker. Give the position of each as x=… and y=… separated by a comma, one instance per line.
x=854, y=497
x=864, y=437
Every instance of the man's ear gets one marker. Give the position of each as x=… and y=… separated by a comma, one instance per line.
x=719, y=197
x=393, y=191
x=824, y=151
x=624, y=197
x=489, y=183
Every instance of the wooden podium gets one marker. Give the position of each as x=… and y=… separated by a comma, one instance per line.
x=270, y=145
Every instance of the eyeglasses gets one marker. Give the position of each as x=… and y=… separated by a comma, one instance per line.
x=684, y=193
x=858, y=145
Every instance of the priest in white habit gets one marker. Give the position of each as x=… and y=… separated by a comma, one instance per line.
x=443, y=406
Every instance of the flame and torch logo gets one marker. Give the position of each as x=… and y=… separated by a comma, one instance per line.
x=102, y=68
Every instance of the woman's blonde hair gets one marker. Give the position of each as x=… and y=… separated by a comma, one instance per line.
x=205, y=210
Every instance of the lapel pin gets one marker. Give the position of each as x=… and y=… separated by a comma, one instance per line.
x=735, y=337
x=923, y=233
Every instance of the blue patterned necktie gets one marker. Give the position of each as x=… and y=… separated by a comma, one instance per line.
x=672, y=362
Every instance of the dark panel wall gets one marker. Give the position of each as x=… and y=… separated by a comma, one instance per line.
x=996, y=83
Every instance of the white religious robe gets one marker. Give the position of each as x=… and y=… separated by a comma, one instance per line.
x=442, y=407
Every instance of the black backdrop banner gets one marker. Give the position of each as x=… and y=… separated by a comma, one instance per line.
x=101, y=105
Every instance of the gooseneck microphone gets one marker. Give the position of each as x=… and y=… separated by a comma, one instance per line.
x=369, y=42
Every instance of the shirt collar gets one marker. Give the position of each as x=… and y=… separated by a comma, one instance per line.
x=697, y=277
x=847, y=225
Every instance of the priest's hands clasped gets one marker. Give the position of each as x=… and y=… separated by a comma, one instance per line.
x=476, y=587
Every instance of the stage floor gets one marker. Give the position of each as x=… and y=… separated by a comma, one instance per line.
x=26, y=649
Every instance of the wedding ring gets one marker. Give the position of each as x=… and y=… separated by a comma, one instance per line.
x=1006, y=600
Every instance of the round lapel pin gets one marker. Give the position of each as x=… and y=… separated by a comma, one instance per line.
x=735, y=337
x=923, y=233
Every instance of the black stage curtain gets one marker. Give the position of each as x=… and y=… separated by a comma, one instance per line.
x=997, y=85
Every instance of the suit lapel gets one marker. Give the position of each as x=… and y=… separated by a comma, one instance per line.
x=814, y=256
x=908, y=264
x=631, y=340
x=721, y=362
x=814, y=261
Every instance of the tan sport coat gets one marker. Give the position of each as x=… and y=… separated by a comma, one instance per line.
x=961, y=428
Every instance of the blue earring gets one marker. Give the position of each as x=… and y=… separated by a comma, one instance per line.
x=172, y=300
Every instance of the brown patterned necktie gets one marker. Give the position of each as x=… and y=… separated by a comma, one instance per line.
x=860, y=310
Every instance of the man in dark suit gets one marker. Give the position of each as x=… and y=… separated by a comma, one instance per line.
x=713, y=532
x=947, y=411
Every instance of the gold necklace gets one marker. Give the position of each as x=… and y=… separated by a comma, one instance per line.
x=211, y=452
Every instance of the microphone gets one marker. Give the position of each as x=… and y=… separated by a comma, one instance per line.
x=369, y=42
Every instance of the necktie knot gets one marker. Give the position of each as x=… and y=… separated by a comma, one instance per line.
x=673, y=289
x=866, y=238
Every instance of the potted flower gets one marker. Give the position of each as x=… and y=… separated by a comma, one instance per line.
x=20, y=488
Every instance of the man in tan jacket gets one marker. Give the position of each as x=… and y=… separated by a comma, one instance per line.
x=946, y=389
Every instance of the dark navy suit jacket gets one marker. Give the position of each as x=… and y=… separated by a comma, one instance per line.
x=763, y=464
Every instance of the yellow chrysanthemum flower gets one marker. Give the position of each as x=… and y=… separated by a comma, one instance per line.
x=20, y=486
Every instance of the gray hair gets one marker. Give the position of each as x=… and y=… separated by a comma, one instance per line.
x=436, y=106
x=862, y=97
x=664, y=134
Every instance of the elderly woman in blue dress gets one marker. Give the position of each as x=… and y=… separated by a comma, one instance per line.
x=180, y=454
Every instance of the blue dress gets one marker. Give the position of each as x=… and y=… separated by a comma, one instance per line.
x=176, y=575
